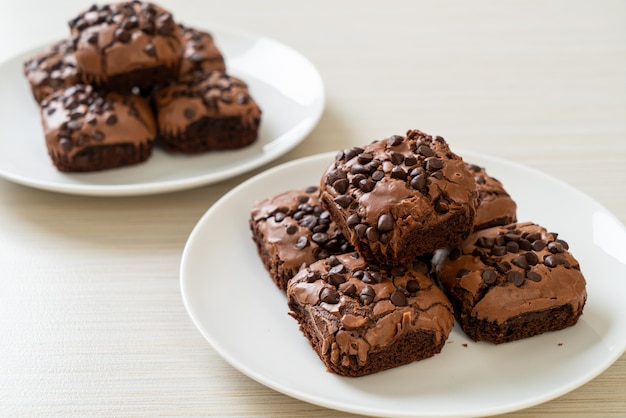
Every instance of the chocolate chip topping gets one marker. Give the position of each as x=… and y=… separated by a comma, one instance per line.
x=399, y=179
x=523, y=251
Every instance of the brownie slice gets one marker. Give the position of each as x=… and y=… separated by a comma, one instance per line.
x=400, y=197
x=200, y=53
x=512, y=282
x=362, y=318
x=124, y=45
x=495, y=205
x=52, y=69
x=90, y=130
x=206, y=112
x=292, y=230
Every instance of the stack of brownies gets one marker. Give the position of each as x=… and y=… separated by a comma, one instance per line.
x=130, y=76
x=400, y=237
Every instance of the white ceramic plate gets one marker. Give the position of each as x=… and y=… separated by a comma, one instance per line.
x=286, y=85
x=243, y=315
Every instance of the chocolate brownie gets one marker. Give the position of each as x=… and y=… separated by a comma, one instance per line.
x=400, y=197
x=512, y=282
x=200, y=53
x=292, y=230
x=52, y=69
x=495, y=205
x=362, y=318
x=206, y=112
x=124, y=45
x=89, y=130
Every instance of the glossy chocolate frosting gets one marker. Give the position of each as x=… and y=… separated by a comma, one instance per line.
x=505, y=271
x=81, y=117
x=118, y=38
x=359, y=309
x=495, y=205
x=52, y=69
x=400, y=197
x=213, y=95
x=200, y=53
x=292, y=230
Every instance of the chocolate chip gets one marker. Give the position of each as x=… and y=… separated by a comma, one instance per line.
x=366, y=185
x=563, y=243
x=149, y=50
x=74, y=125
x=291, y=229
x=521, y=262
x=111, y=120
x=361, y=230
x=353, y=220
x=535, y=277
x=122, y=35
x=165, y=30
x=419, y=182
x=398, y=173
x=396, y=158
x=498, y=251
x=532, y=237
x=531, y=258
x=512, y=247
x=367, y=295
x=301, y=243
x=320, y=238
x=555, y=247
x=92, y=38
x=515, y=277
x=554, y=260
x=378, y=175
x=329, y=295
x=489, y=276
x=480, y=180
x=525, y=245
x=98, y=135
x=502, y=267
x=538, y=245
x=372, y=234
x=412, y=286
x=337, y=269
x=343, y=200
x=336, y=279
x=394, y=140
x=341, y=185
x=350, y=290
x=385, y=222
x=425, y=150
x=485, y=242
x=66, y=143
x=398, y=298
x=433, y=164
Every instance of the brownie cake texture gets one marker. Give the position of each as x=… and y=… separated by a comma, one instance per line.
x=512, y=282
x=292, y=230
x=206, y=112
x=129, y=44
x=200, y=53
x=495, y=205
x=362, y=318
x=89, y=130
x=52, y=69
x=400, y=197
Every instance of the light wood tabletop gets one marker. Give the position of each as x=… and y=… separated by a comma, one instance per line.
x=91, y=314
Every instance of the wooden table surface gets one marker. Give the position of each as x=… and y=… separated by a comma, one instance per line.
x=91, y=315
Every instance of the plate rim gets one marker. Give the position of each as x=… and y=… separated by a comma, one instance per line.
x=582, y=379
x=173, y=185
